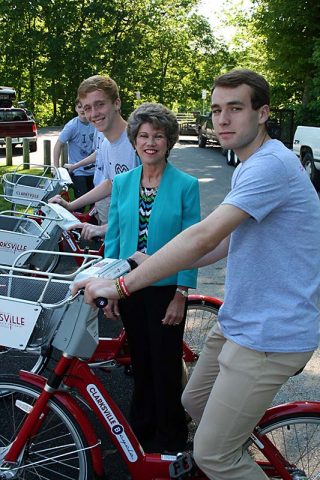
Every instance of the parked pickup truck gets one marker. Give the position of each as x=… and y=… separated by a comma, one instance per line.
x=306, y=144
x=187, y=123
x=15, y=123
x=206, y=133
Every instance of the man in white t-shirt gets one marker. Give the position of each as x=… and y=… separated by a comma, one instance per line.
x=100, y=99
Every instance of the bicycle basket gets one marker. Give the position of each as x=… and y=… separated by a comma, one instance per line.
x=24, y=323
x=18, y=235
x=28, y=188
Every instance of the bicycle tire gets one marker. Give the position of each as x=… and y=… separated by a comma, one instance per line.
x=297, y=438
x=202, y=315
x=58, y=435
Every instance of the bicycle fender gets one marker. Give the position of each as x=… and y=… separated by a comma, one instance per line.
x=206, y=298
x=78, y=414
x=291, y=408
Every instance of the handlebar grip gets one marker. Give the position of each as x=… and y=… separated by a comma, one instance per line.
x=101, y=302
x=89, y=167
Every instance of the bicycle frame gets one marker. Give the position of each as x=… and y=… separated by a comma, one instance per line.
x=74, y=374
x=114, y=352
x=69, y=237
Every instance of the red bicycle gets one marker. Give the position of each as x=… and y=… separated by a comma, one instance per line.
x=114, y=352
x=46, y=433
x=45, y=430
x=71, y=239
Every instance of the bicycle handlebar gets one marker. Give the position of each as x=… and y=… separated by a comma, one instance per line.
x=101, y=302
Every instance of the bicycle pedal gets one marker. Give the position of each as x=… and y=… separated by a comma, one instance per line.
x=182, y=467
x=110, y=451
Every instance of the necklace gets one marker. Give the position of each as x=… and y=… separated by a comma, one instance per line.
x=148, y=191
x=263, y=140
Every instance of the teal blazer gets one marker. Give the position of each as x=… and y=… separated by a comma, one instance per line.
x=176, y=207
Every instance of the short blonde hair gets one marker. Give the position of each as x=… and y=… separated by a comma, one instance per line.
x=99, y=82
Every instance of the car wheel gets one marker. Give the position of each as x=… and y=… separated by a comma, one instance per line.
x=314, y=174
x=230, y=157
x=201, y=141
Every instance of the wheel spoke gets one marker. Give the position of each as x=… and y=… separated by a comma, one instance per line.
x=57, y=450
x=298, y=441
x=201, y=317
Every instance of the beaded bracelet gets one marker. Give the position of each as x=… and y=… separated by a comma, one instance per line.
x=119, y=289
x=124, y=287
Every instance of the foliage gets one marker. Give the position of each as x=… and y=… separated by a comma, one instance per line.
x=160, y=48
x=280, y=39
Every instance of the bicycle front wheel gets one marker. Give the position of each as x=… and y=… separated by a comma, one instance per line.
x=202, y=313
x=56, y=451
x=297, y=439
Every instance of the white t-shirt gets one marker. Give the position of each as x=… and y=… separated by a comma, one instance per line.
x=118, y=157
x=98, y=178
x=113, y=158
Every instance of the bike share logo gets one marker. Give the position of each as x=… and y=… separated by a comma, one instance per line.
x=13, y=247
x=10, y=321
x=26, y=194
x=116, y=428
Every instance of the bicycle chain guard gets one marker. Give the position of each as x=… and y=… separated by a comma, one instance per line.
x=183, y=467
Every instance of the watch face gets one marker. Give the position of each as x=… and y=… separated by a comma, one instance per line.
x=183, y=292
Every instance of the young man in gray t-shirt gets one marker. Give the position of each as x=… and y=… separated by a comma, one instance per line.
x=78, y=135
x=268, y=327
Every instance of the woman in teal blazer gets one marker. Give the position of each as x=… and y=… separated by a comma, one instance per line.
x=149, y=206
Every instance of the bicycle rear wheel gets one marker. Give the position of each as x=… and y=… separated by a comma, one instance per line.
x=201, y=317
x=57, y=450
x=297, y=438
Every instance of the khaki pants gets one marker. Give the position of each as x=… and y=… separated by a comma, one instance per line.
x=102, y=207
x=227, y=394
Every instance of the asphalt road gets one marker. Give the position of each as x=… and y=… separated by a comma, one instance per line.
x=214, y=175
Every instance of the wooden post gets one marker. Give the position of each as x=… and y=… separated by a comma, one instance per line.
x=47, y=152
x=64, y=154
x=26, y=154
x=8, y=151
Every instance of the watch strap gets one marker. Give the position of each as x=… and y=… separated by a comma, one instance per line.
x=184, y=293
x=133, y=264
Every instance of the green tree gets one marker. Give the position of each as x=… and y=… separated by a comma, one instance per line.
x=159, y=47
x=280, y=38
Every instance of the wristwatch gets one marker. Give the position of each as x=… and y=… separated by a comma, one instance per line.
x=133, y=264
x=184, y=293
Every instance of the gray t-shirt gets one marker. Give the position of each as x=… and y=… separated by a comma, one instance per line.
x=273, y=266
x=79, y=137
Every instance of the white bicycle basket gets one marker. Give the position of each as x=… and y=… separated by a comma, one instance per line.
x=26, y=188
